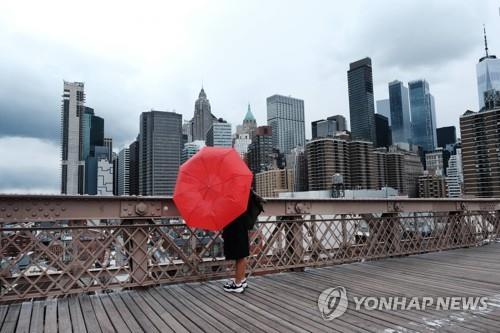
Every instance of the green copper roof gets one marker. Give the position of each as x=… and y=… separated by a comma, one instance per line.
x=249, y=116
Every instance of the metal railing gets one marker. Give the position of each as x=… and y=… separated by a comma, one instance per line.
x=59, y=245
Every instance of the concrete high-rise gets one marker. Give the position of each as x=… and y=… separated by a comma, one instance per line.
x=270, y=183
x=361, y=102
x=399, y=107
x=286, y=117
x=327, y=157
x=423, y=115
x=432, y=186
x=203, y=117
x=455, y=175
x=72, y=165
x=480, y=144
x=160, y=146
x=328, y=127
x=362, y=167
x=488, y=74
x=190, y=149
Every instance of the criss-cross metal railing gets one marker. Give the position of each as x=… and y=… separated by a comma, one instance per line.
x=58, y=245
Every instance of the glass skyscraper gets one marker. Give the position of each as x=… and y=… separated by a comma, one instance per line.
x=399, y=112
x=488, y=74
x=361, y=102
x=423, y=115
x=286, y=117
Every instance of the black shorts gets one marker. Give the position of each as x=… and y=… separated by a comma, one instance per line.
x=236, y=243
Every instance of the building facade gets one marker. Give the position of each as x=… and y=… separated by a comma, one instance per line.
x=361, y=100
x=285, y=115
x=383, y=131
x=432, y=186
x=488, y=74
x=297, y=162
x=362, y=167
x=272, y=182
x=203, y=117
x=399, y=106
x=423, y=115
x=434, y=162
x=384, y=109
x=481, y=153
x=123, y=181
x=446, y=136
x=72, y=165
x=249, y=124
x=190, y=149
x=219, y=135
x=241, y=143
x=454, y=175
x=160, y=145
x=260, y=151
x=327, y=157
x=134, y=168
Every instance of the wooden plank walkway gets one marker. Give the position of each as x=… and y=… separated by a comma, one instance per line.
x=285, y=302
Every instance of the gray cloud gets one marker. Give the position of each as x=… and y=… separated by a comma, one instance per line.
x=157, y=55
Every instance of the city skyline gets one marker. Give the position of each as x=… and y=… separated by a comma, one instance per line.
x=122, y=110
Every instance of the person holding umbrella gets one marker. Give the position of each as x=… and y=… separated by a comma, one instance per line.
x=212, y=192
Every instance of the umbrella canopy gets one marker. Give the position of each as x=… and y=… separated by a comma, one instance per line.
x=212, y=188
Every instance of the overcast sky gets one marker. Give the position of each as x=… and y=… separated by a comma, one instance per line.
x=142, y=55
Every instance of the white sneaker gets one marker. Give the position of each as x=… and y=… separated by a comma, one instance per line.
x=232, y=287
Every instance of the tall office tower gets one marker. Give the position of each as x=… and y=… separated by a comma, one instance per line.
x=297, y=162
x=362, y=168
x=399, y=106
x=92, y=132
x=160, y=148
x=249, y=124
x=384, y=108
x=326, y=128
x=203, y=117
x=191, y=148
x=488, y=74
x=423, y=115
x=286, y=117
x=361, y=103
x=446, y=136
x=384, y=137
x=72, y=164
x=123, y=172
x=260, y=151
x=434, y=162
x=325, y=158
x=219, y=134
x=413, y=169
x=455, y=175
x=380, y=161
x=134, y=167
x=480, y=142
x=241, y=143
x=115, y=173
x=94, y=167
x=108, y=143
x=432, y=186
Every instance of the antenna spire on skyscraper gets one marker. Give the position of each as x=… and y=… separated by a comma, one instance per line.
x=485, y=41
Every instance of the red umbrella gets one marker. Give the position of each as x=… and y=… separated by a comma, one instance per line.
x=212, y=188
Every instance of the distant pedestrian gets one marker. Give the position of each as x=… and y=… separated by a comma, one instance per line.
x=236, y=242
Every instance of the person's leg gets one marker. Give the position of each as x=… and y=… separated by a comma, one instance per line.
x=241, y=265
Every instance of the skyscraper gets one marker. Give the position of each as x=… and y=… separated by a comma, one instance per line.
x=455, y=175
x=249, y=124
x=488, y=73
x=423, y=115
x=108, y=143
x=72, y=165
x=286, y=117
x=191, y=148
x=160, y=145
x=260, y=151
x=361, y=102
x=384, y=108
x=123, y=172
x=203, y=117
x=399, y=106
